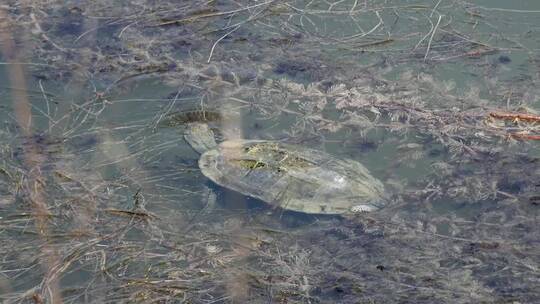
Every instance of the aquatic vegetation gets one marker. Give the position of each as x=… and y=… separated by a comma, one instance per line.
x=101, y=199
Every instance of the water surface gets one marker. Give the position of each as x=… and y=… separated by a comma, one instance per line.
x=101, y=198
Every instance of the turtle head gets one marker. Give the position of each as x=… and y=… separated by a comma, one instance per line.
x=200, y=137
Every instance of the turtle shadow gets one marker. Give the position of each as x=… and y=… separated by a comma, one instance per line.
x=231, y=201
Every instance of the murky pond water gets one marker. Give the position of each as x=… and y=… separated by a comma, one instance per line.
x=102, y=199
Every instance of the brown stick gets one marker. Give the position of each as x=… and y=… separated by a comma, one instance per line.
x=34, y=184
x=525, y=136
x=515, y=116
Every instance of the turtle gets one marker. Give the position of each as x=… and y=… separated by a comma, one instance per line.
x=289, y=176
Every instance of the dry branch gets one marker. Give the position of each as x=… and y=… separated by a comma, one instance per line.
x=515, y=116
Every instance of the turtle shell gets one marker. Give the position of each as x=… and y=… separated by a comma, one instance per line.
x=293, y=177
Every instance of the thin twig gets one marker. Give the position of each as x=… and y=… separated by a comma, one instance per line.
x=431, y=38
x=217, y=41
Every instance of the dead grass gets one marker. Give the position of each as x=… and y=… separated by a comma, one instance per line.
x=102, y=203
